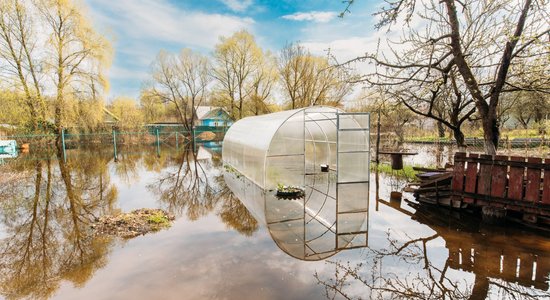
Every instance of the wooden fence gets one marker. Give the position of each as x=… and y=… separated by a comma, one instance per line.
x=514, y=183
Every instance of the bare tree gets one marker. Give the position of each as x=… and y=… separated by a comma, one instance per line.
x=496, y=46
x=17, y=51
x=181, y=80
x=76, y=53
x=239, y=71
x=193, y=70
x=262, y=85
x=310, y=80
x=429, y=282
x=395, y=116
x=444, y=102
x=529, y=107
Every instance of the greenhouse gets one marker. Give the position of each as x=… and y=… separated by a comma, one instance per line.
x=284, y=148
x=322, y=150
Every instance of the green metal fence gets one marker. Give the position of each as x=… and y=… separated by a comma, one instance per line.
x=153, y=136
x=148, y=134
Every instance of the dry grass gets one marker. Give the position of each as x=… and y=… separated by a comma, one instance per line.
x=137, y=222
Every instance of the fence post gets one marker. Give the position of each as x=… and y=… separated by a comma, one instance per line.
x=158, y=142
x=177, y=144
x=114, y=144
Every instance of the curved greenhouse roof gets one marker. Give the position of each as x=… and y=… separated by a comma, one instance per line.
x=280, y=148
x=323, y=150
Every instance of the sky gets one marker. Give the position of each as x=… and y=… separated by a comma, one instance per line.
x=139, y=29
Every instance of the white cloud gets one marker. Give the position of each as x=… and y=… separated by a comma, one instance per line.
x=316, y=16
x=142, y=27
x=237, y=5
x=161, y=21
x=119, y=73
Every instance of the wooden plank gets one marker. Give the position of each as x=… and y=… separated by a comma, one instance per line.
x=525, y=269
x=498, y=178
x=484, y=181
x=453, y=258
x=430, y=170
x=509, y=163
x=458, y=173
x=490, y=258
x=518, y=205
x=433, y=188
x=438, y=180
x=458, y=176
x=532, y=186
x=427, y=200
x=430, y=175
x=509, y=267
x=515, y=181
x=543, y=269
x=546, y=185
x=471, y=178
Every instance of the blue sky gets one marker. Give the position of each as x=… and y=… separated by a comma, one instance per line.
x=139, y=29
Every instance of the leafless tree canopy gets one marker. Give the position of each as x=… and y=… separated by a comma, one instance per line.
x=458, y=55
x=182, y=81
x=310, y=80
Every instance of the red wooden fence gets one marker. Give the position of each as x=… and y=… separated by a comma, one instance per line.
x=515, y=183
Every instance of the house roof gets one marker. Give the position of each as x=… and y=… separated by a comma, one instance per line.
x=203, y=112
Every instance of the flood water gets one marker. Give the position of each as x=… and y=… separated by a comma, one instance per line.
x=220, y=247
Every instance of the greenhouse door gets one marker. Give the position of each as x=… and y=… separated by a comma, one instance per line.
x=352, y=183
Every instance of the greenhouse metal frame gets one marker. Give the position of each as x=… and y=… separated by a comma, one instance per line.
x=283, y=148
x=289, y=148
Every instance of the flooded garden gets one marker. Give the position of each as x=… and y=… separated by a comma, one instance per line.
x=230, y=239
x=241, y=149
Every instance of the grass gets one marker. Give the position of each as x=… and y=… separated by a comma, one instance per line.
x=429, y=138
x=510, y=133
x=520, y=133
x=407, y=173
x=159, y=219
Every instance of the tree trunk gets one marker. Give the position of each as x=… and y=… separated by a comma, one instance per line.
x=440, y=130
x=459, y=137
x=491, y=133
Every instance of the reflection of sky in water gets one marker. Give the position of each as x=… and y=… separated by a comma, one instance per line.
x=167, y=265
x=207, y=259
x=428, y=154
x=3, y=233
x=134, y=194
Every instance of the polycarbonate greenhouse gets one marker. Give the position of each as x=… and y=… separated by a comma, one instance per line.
x=321, y=149
x=284, y=147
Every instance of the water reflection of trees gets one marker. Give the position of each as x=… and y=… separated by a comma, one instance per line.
x=410, y=267
x=46, y=221
x=422, y=280
x=46, y=208
x=195, y=187
x=235, y=215
x=407, y=269
x=416, y=277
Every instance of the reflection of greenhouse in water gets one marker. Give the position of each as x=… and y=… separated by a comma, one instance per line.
x=307, y=228
x=322, y=149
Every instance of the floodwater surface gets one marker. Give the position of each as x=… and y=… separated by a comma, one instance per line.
x=224, y=243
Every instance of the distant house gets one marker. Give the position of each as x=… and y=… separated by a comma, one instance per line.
x=207, y=116
x=212, y=116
